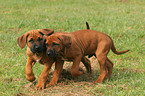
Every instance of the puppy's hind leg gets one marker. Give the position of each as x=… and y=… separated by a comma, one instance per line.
x=103, y=69
x=109, y=65
x=87, y=64
x=101, y=54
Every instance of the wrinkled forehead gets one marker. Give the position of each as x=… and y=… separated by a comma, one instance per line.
x=34, y=34
x=52, y=38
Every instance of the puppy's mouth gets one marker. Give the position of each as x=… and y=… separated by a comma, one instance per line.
x=51, y=53
x=36, y=49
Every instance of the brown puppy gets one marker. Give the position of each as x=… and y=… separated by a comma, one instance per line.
x=73, y=46
x=36, y=52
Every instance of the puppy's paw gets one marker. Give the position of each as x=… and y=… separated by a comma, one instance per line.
x=30, y=78
x=98, y=81
x=40, y=86
x=51, y=84
x=76, y=74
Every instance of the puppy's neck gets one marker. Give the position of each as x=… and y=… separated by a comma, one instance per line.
x=35, y=56
x=63, y=53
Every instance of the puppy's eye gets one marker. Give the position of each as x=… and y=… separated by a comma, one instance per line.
x=39, y=39
x=31, y=40
x=54, y=44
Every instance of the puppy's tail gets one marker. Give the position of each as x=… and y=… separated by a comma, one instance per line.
x=117, y=52
x=88, y=27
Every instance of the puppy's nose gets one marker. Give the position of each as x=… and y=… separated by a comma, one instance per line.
x=37, y=47
x=49, y=53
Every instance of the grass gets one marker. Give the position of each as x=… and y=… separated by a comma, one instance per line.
x=123, y=20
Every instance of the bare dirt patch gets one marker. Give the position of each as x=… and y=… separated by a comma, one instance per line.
x=67, y=84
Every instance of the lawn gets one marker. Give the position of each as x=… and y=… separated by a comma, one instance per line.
x=123, y=20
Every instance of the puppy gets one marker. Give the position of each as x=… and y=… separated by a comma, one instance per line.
x=36, y=52
x=73, y=46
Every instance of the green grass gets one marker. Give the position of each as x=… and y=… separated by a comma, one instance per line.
x=123, y=21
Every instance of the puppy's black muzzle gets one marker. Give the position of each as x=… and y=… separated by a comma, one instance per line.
x=36, y=49
x=51, y=53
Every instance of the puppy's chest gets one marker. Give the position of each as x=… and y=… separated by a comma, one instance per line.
x=36, y=57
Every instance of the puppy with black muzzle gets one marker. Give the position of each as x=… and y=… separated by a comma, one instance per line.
x=36, y=52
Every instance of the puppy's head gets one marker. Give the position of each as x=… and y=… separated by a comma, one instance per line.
x=56, y=43
x=34, y=39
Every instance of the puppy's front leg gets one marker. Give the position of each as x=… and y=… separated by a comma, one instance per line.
x=43, y=76
x=75, y=67
x=28, y=70
x=57, y=72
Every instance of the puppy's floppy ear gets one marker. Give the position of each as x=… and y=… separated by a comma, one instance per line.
x=22, y=40
x=66, y=40
x=46, y=31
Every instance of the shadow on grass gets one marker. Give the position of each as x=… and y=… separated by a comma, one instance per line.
x=66, y=76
